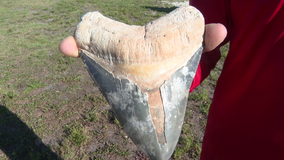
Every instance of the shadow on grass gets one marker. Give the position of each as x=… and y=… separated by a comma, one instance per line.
x=159, y=9
x=18, y=141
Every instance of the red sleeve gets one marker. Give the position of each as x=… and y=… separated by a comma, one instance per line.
x=214, y=11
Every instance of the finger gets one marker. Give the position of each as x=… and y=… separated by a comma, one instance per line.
x=69, y=47
x=214, y=35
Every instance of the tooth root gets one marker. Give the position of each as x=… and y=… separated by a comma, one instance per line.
x=147, y=55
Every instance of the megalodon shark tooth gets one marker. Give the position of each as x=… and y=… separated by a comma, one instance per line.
x=145, y=72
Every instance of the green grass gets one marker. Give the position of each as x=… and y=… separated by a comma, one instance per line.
x=49, y=107
x=76, y=134
x=203, y=97
x=187, y=144
x=111, y=148
x=224, y=50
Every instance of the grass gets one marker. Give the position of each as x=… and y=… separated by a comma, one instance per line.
x=187, y=144
x=111, y=148
x=49, y=107
x=76, y=134
x=203, y=98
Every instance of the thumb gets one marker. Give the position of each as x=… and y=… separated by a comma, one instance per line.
x=215, y=33
x=69, y=47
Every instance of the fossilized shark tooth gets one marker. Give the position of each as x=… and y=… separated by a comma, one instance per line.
x=145, y=72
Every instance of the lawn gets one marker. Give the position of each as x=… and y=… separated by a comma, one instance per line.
x=49, y=106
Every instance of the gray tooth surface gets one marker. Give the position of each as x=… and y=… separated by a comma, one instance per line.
x=131, y=107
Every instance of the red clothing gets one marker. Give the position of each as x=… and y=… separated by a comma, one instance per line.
x=246, y=117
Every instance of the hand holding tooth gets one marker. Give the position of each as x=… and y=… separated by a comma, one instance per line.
x=145, y=72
